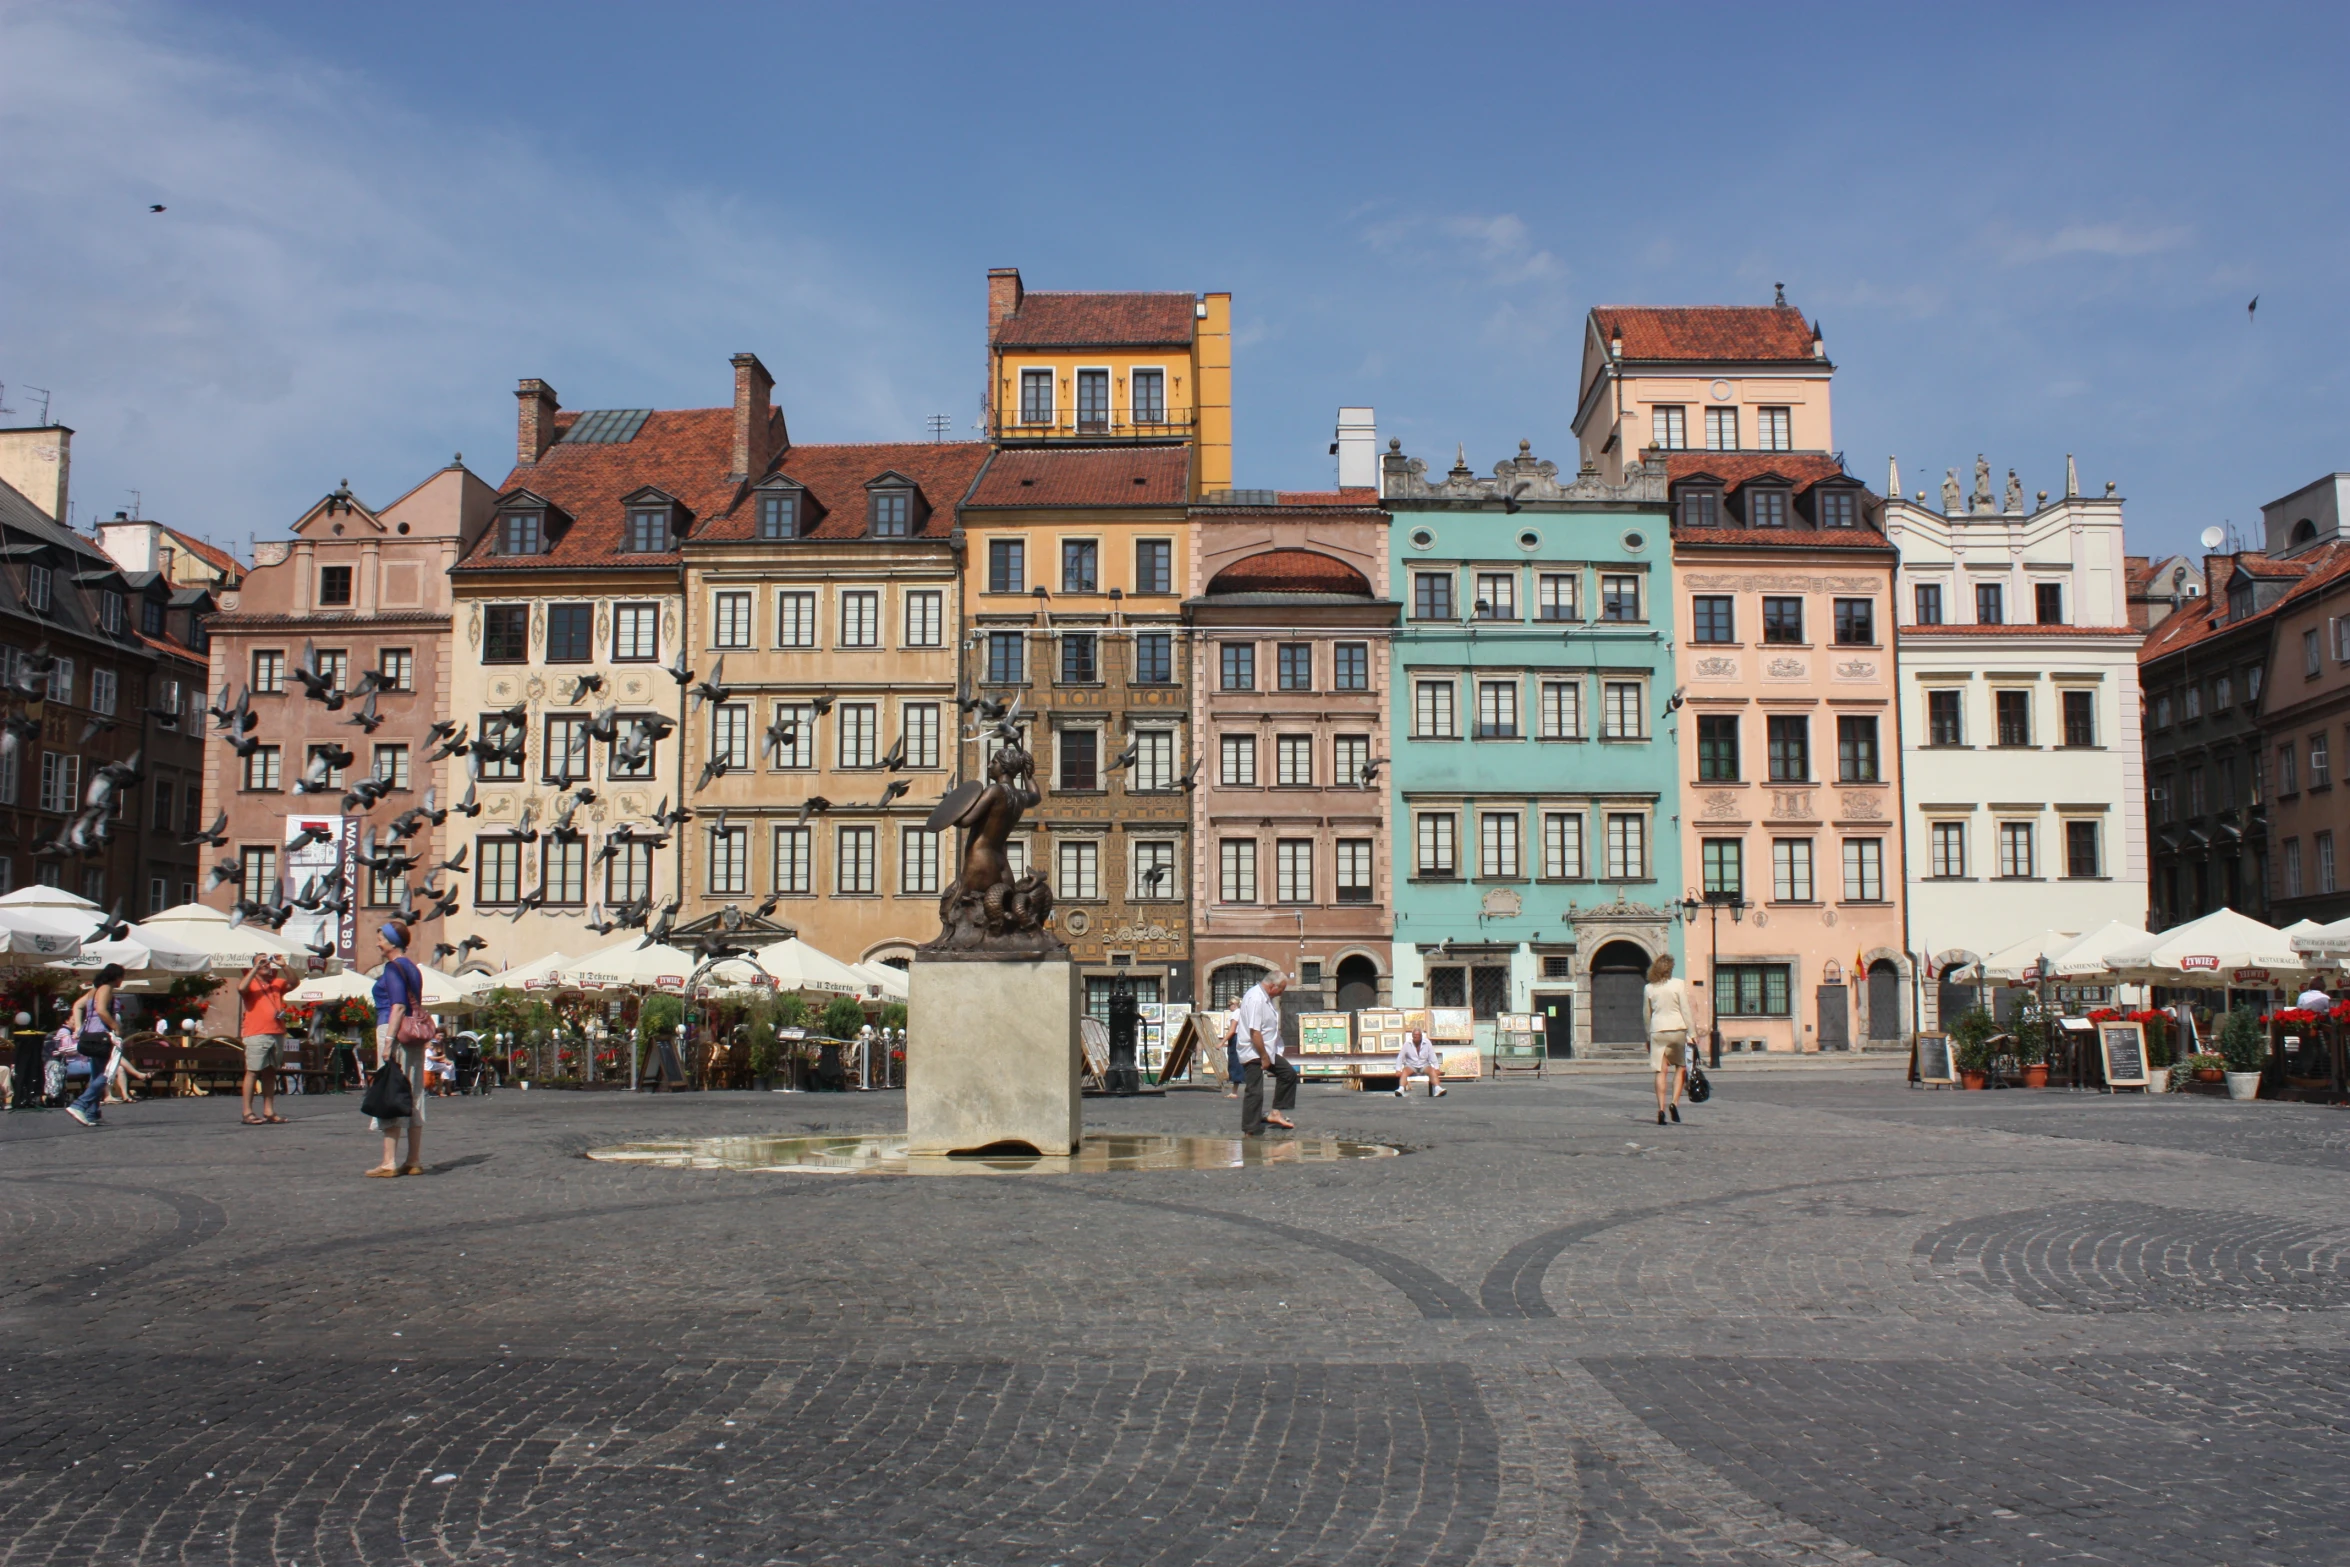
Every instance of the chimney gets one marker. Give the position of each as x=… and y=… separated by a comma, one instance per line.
x=535, y=426
x=753, y=420
x=38, y=463
x=1003, y=296
x=1358, y=449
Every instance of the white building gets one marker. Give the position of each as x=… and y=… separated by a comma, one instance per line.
x=2022, y=762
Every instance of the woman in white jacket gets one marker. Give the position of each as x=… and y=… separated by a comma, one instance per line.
x=1670, y=1014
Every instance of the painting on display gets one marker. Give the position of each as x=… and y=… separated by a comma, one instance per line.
x=1325, y=1033
x=1457, y=1025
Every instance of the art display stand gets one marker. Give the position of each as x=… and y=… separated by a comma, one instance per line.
x=993, y=1059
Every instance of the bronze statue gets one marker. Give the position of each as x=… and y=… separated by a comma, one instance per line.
x=987, y=912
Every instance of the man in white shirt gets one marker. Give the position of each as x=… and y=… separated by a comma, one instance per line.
x=1418, y=1058
x=1260, y=1053
x=2314, y=999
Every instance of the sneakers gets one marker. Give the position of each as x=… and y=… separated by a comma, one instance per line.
x=1399, y=1093
x=81, y=1115
x=1440, y=1093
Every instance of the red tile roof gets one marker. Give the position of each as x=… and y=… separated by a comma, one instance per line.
x=1803, y=469
x=1361, y=495
x=1743, y=334
x=1290, y=571
x=835, y=478
x=210, y=554
x=2258, y=565
x=683, y=452
x=1099, y=321
x=1087, y=476
x=1804, y=538
x=2194, y=620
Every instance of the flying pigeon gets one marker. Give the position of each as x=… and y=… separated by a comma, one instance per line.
x=896, y=787
x=214, y=836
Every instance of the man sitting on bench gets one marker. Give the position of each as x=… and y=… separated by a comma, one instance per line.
x=1418, y=1058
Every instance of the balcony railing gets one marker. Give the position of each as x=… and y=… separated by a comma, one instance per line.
x=1070, y=424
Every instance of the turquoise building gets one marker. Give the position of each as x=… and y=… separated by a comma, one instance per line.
x=1533, y=754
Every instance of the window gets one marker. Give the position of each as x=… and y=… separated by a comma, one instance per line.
x=2292, y=867
x=1081, y=759
x=269, y=673
x=395, y=667
x=1782, y=620
x=2048, y=603
x=2081, y=854
x=158, y=891
x=2324, y=844
x=1774, y=429
x=730, y=735
x=567, y=748
x=1717, y=748
x=2015, y=849
x=1350, y=666
x=628, y=874
x=1036, y=397
x=1619, y=598
x=1435, y=833
x=2015, y=717
x=1790, y=748
x=334, y=585
x=2080, y=716
x=852, y=864
x=1239, y=666
x=892, y=513
x=1293, y=870
x=1928, y=596
x=1497, y=845
x=1154, y=566
x=1497, y=595
x=1700, y=508
x=1668, y=426
x=918, y=728
x=1080, y=566
x=1556, y=596
x=2288, y=774
x=1237, y=870
x=1856, y=622
x=1154, y=658
x=730, y=861
x=779, y=515
x=795, y=619
x=505, y=635
x=795, y=860
x=497, y=871
x=636, y=633
x=1432, y=595
x=1837, y=508
x=2252, y=683
x=860, y=734
x=1562, y=845
x=334, y=666
x=522, y=533
x=1007, y=658
x=391, y=766
x=730, y=616
x=563, y=864
x=37, y=588
x=1627, y=847
x=1752, y=990
x=1432, y=710
x=262, y=769
x=1239, y=762
x=2320, y=763
x=1791, y=870
x=570, y=630
x=104, y=690
x=1079, y=869
x=2194, y=791
x=860, y=619
x=1864, y=870
x=1989, y=604
x=1154, y=760
x=2195, y=700
x=648, y=530
x=1093, y=400
x=1007, y=566
x=1562, y=710
x=1949, y=849
x=1354, y=870
x=1152, y=865
x=163, y=793
x=1150, y=407
x=1497, y=710
x=1623, y=712
x=1350, y=755
x=259, y=863
x=2223, y=692
x=1943, y=721
x=60, y=688
x=1710, y=618
x=1447, y=987
x=1766, y=508
x=498, y=769
x=1294, y=665
x=1293, y=761
x=1079, y=666
x=1856, y=750
x=1721, y=429
x=334, y=775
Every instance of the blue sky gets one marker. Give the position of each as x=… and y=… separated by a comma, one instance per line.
x=2026, y=231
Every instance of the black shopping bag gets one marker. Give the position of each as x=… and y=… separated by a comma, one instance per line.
x=388, y=1097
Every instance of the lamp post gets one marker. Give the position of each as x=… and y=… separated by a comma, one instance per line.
x=1713, y=903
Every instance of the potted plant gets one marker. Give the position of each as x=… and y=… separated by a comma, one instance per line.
x=1970, y=1037
x=2204, y=1067
x=2034, y=1026
x=2243, y=1045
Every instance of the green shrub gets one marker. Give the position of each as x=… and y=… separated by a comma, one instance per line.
x=659, y=1014
x=1970, y=1032
x=2243, y=1042
x=843, y=1017
x=894, y=1015
x=791, y=1011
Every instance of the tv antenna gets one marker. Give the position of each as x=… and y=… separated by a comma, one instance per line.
x=27, y=386
x=939, y=424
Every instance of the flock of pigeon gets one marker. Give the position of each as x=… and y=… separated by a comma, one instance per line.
x=86, y=833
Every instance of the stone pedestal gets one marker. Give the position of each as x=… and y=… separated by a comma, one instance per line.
x=992, y=1056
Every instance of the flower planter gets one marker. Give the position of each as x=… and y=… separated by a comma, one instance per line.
x=2208, y=1074
x=2158, y=1080
x=1969, y=1079
x=2036, y=1075
x=2243, y=1085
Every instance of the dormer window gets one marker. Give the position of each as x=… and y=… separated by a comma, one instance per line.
x=779, y=514
x=649, y=530
x=2239, y=600
x=151, y=617
x=37, y=589
x=893, y=507
x=522, y=532
x=1837, y=509
x=1766, y=508
x=1700, y=508
x=111, y=614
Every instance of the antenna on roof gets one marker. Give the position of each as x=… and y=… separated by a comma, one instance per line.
x=4, y=408
x=138, y=505
x=44, y=391
x=939, y=424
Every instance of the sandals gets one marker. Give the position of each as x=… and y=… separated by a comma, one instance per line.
x=254, y=1120
x=381, y=1173
x=274, y=1120
x=412, y=1169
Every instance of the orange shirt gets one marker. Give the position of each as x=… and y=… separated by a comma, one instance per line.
x=265, y=1005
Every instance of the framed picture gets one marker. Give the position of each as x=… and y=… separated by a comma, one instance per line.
x=1325, y=1033
x=1378, y=1020
x=1455, y=1024
x=1420, y=1018
x=2122, y=1046
x=1935, y=1064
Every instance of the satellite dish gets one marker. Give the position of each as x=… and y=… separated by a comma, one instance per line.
x=2212, y=537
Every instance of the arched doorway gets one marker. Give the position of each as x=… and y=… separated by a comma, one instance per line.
x=1951, y=999
x=1229, y=983
x=1618, y=972
x=1358, y=983
x=1884, y=1000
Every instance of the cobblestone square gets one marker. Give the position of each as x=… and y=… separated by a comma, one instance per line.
x=1829, y=1319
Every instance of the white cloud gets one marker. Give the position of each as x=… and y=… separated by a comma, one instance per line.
x=340, y=285
x=2092, y=239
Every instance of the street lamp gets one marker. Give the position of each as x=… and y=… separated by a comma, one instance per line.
x=1714, y=901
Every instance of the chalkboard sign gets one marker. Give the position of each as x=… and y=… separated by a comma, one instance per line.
x=2123, y=1046
x=1934, y=1063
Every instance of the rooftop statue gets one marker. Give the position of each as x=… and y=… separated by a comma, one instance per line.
x=1951, y=497
x=2015, y=492
x=1982, y=497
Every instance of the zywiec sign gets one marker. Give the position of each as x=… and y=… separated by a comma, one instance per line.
x=2252, y=976
x=2198, y=962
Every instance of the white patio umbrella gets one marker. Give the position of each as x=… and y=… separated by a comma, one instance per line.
x=442, y=992
x=2086, y=957
x=631, y=964
x=45, y=923
x=205, y=934
x=536, y=974
x=893, y=982
x=2327, y=941
x=2016, y=961
x=2210, y=951
x=798, y=966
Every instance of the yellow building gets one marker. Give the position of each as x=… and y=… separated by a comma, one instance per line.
x=1097, y=369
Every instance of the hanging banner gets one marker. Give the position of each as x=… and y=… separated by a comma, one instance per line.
x=321, y=858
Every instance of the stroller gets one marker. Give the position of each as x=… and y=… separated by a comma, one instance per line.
x=474, y=1072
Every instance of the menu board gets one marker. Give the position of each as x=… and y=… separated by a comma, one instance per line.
x=2123, y=1046
x=1325, y=1033
x=1456, y=1024
x=1934, y=1063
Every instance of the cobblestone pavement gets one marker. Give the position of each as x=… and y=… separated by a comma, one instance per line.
x=1828, y=1320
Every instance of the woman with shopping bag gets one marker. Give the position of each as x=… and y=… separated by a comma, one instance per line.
x=403, y=1029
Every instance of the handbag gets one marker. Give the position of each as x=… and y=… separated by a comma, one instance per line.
x=1701, y=1087
x=417, y=1028
x=388, y=1096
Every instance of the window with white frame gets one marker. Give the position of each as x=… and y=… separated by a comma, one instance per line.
x=1497, y=845
x=1619, y=598
x=730, y=734
x=262, y=769
x=391, y=764
x=917, y=860
x=925, y=617
x=1864, y=870
x=795, y=860
x=2320, y=762
x=1497, y=710
x=1432, y=710
x=2292, y=848
x=1436, y=833
x=1774, y=429
x=1497, y=595
x=497, y=870
x=853, y=870
x=1293, y=870
x=800, y=749
x=1349, y=756
x=860, y=735
x=1237, y=870
x=860, y=619
x=730, y=857
x=1949, y=849
x=636, y=633
x=566, y=751
x=1354, y=871
x=1293, y=760
x=1668, y=426
x=104, y=690
x=1079, y=869
x=1562, y=845
x=1562, y=710
x=1627, y=846
x=1624, y=714
x=795, y=618
x=2015, y=849
x=61, y=678
x=1721, y=429
x=1153, y=869
x=563, y=870
x=1154, y=760
x=918, y=727
x=1791, y=878
x=730, y=620
x=1239, y=761
x=628, y=873
x=1557, y=596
